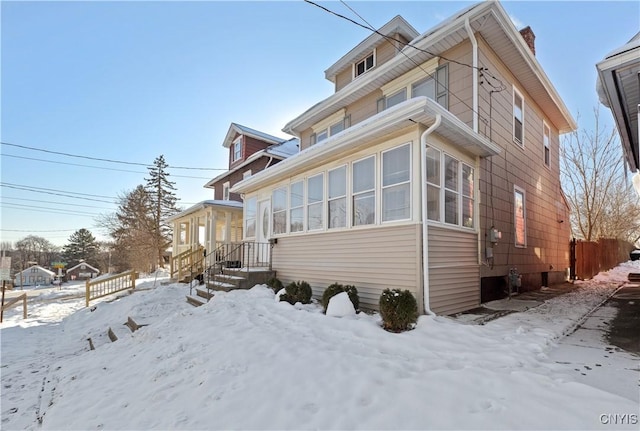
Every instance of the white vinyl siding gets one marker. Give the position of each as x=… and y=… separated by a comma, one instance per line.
x=454, y=273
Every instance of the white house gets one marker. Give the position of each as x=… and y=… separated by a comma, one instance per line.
x=33, y=276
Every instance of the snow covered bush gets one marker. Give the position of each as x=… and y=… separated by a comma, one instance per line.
x=297, y=291
x=337, y=288
x=340, y=305
x=274, y=284
x=399, y=310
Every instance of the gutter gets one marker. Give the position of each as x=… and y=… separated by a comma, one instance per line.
x=474, y=44
x=425, y=228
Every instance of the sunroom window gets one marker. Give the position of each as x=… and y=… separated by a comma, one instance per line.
x=315, y=197
x=364, y=191
x=279, y=210
x=250, y=217
x=396, y=184
x=296, y=212
x=338, y=197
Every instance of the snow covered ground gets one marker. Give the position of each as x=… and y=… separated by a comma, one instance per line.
x=245, y=361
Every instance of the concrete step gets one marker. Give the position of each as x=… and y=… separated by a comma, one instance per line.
x=195, y=301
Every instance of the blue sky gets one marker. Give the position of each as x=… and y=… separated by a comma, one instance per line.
x=129, y=81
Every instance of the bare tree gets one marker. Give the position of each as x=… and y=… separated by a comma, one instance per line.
x=603, y=204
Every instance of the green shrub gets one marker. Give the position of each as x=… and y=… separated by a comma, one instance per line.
x=275, y=284
x=336, y=288
x=297, y=291
x=399, y=310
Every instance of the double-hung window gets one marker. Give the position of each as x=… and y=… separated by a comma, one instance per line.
x=518, y=118
x=396, y=183
x=450, y=189
x=364, y=65
x=250, y=217
x=296, y=202
x=237, y=149
x=333, y=129
x=315, y=198
x=363, y=186
x=546, y=141
x=520, y=217
x=279, y=210
x=337, y=197
x=435, y=87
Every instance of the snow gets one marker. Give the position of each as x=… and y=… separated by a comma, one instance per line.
x=340, y=306
x=245, y=361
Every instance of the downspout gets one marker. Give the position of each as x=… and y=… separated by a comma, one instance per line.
x=269, y=162
x=474, y=45
x=425, y=229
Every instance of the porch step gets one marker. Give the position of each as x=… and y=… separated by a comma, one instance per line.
x=204, y=293
x=219, y=285
x=634, y=277
x=195, y=301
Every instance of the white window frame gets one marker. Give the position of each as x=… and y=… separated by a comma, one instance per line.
x=337, y=198
x=546, y=144
x=316, y=203
x=361, y=193
x=237, y=149
x=459, y=191
x=283, y=211
x=407, y=182
x=225, y=191
x=299, y=208
x=355, y=73
x=519, y=191
x=250, y=216
x=518, y=140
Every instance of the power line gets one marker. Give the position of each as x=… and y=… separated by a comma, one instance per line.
x=54, y=202
x=47, y=209
x=38, y=231
x=95, y=167
x=52, y=193
x=105, y=160
x=55, y=190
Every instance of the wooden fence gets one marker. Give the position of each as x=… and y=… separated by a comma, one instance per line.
x=184, y=263
x=106, y=286
x=588, y=258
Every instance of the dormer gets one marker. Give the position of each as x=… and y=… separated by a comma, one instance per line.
x=243, y=142
x=372, y=52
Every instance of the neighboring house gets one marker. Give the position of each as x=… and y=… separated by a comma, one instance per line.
x=212, y=222
x=618, y=87
x=34, y=276
x=433, y=167
x=82, y=271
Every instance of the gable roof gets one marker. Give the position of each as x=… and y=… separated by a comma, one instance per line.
x=85, y=264
x=489, y=20
x=46, y=271
x=618, y=88
x=247, y=131
x=397, y=25
x=278, y=151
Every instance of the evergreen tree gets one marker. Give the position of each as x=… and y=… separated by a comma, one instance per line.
x=82, y=246
x=163, y=200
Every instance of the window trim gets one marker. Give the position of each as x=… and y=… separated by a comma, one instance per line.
x=518, y=141
x=237, y=148
x=354, y=67
x=516, y=191
x=546, y=144
x=409, y=182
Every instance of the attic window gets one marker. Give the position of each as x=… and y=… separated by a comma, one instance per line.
x=364, y=65
x=237, y=149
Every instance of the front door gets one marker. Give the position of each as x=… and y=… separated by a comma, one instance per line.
x=263, y=248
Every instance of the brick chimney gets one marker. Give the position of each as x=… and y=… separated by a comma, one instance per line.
x=529, y=38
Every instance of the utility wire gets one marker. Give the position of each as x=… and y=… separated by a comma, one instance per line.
x=53, y=193
x=95, y=167
x=38, y=231
x=430, y=75
x=3, y=184
x=47, y=209
x=53, y=202
x=105, y=160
